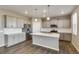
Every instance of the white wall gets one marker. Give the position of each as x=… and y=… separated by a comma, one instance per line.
x=36, y=25
x=62, y=22
x=75, y=38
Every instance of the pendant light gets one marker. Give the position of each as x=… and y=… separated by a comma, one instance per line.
x=48, y=18
x=36, y=13
x=36, y=19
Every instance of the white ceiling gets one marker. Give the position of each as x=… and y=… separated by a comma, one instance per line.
x=54, y=10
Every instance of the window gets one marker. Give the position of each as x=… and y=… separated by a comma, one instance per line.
x=74, y=23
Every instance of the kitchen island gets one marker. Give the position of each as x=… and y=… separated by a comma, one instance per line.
x=48, y=40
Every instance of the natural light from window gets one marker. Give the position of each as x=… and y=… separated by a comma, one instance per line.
x=74, y=23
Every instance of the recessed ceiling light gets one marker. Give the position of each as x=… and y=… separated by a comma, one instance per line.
x=36, y=19
x=44, y=11
x=26, y=12
x=48, y=18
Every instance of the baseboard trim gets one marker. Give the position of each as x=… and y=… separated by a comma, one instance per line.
x=75, y=47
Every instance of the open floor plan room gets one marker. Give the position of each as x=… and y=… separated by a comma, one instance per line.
x=39, y=29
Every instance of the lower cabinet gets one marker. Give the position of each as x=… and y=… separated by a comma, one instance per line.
x=14, y=39
x=61, y=36
x=66, y=36
x=2, y=40
x=10, y=40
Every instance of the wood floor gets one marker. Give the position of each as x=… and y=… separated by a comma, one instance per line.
x=27, y=48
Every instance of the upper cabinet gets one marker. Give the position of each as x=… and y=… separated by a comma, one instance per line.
x=11, y=22
x=1, y=22
x=19, y=22
x=14, y=22
x=61, y=22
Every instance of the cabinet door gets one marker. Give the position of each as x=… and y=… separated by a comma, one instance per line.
x=1, y=40
x=11, y=22
x=20, y=22
x=11, y=40
x=8, y=22
x=61, y=36
x=16, y=40
x=20, y=37
x=60, y=23
x=23, y=36
x=67, y=37
x=1, y=23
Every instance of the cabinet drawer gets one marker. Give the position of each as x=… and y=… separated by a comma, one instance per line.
x=61, y=36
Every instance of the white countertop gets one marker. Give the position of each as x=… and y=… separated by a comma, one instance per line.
x=60, y=30
x=12, y=33
x=1, y=31
x=56, y=35
x=9, y=31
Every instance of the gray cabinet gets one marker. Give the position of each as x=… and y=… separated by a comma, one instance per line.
x=61, y=36
x=66, y=36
